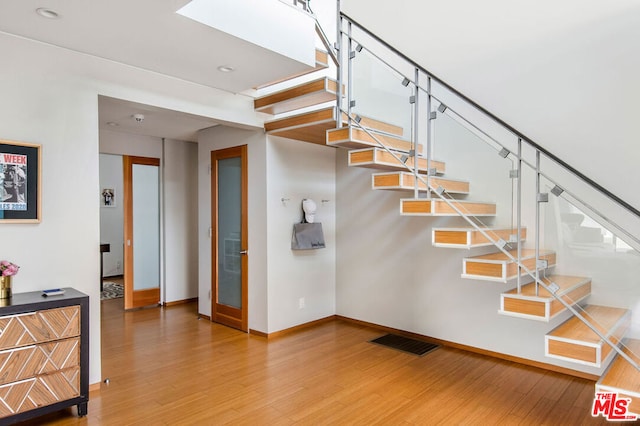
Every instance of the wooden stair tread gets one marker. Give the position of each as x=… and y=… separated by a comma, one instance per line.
x=621, y=376
x=301, y=96
x=405, y=181
x=544, y=306
x=605, y=318
x=468, y=237
x=312, y=126
x=322, y=62
x=353, y=138
x=380, y=159
x=574, y=341
x=565, y=282
x=379, y=126
x=500, y=257
x=438, y=207
x=500, y=267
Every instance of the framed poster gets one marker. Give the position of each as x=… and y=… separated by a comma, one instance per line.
x=108, y=197
x=20, y=182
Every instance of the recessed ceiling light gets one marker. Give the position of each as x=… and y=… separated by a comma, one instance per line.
x=47, y=13
x=225, y=68
x=112, y=124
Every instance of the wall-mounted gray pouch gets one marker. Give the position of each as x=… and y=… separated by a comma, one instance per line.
x=307, y=236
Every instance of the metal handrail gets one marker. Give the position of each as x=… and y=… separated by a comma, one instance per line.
x=496, y=242
x=631, y=239
x=499, y=243
x=511, y=129
x=323, y=36
x=635, y=240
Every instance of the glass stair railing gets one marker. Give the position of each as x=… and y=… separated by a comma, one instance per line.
x=569, y=246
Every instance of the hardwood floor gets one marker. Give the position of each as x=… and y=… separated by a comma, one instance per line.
x=166, y=367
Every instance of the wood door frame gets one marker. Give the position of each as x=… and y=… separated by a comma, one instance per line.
x=144, y=297
x=237, y=318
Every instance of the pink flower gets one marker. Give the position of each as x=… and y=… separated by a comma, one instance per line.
x=8, y=269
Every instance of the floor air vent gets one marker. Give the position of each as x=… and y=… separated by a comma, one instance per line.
x=405, y=344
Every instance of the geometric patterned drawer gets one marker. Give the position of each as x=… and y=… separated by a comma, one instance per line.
x=39, y=391
x=28, y=361
x=42, y=326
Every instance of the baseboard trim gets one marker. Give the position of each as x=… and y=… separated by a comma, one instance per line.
x=203, y=316
x=293, y=329
x=524, y=361
x=180, y=302
x=94, y=388
x=258, y=333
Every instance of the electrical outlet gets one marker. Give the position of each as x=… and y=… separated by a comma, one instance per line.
x=301, y=303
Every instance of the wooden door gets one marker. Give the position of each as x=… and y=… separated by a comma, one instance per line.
x=229, y=237
x=141, y=231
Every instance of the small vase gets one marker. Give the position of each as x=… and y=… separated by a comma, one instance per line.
x=5, y=287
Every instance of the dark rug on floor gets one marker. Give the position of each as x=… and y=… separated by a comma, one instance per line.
x=405, y=344
x=111, y=290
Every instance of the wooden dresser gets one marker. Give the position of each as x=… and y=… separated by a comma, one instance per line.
x=44, y=354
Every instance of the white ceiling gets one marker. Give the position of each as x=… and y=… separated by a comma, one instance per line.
x=148, y=34
x=117, y=115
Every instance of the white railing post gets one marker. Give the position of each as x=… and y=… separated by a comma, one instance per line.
x=339, y=67
x=416, y=132
x=429, y=137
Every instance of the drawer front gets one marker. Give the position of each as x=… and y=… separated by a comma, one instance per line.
x=37, y=327
x=39, y=391
x=28, y=361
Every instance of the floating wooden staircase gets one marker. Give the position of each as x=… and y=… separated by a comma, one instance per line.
x=543, y=306
x=574, y=341
x=500, y=267
x=570, y=341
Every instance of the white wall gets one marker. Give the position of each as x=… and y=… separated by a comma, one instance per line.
x=298, y=170
x=51, y=109
x=112, y=218
x=50, y=96
x=180, y=185
x=119, y=143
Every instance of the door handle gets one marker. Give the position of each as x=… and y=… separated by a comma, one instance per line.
x=243, y=252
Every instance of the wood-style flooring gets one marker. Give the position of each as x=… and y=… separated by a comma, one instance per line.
x=167, y=367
